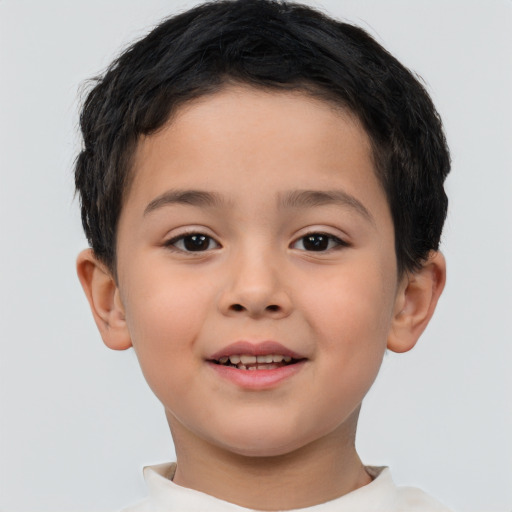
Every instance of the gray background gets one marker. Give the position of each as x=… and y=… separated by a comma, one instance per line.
x=77, y=422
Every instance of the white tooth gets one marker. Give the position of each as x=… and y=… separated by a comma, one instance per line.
x=266, y=366
x=223, y=360
x=263, y=359
x=287, y=359
x=241, y=366
x=269, y=358
x=276, y=358
x=252, y=368
x=234, y=359
x=247, y=359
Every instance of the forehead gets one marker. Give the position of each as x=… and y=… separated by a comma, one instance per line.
x=241, y=138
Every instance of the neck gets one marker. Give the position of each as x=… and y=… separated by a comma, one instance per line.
x=318, y=472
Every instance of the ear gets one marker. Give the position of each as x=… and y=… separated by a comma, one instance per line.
x=103, y=296
x=415, y=303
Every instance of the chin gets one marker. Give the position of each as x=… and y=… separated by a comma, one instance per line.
x=265, y=442
x=262, y=450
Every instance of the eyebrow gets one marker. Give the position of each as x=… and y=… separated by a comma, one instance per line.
x=188, y=197
x=292, y=199
x=309, y=198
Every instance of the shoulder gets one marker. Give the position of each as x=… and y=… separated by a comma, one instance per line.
x=410, y=499
x=144, y=506
x=393, y=498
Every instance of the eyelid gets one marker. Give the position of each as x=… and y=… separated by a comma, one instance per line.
x=341, y=242
x=171, y=242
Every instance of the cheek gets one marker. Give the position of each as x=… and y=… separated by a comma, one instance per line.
x=164, y=318
x=352, y=338
x=353, y=319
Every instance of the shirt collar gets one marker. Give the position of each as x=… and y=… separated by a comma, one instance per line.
x=377, y=496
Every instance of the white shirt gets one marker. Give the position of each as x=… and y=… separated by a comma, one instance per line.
x=381, y=495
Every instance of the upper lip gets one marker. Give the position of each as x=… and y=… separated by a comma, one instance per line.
x=255, y=349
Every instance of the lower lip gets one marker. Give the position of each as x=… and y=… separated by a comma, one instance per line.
x=257, y=379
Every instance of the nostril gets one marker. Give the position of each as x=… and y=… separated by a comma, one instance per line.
x=271, y=308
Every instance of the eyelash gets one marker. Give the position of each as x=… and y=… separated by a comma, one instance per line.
x=331, y=239
x=173, y=242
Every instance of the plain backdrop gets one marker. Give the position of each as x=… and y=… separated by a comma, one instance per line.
x=77, y=421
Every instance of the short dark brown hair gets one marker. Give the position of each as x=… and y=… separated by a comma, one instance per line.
x=273, y=45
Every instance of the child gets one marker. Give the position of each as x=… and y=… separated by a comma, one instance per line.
x=262, y=190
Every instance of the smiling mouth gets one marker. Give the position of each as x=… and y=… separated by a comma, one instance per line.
x=252, y=362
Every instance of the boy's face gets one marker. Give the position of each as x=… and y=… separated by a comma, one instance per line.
x=255, y=225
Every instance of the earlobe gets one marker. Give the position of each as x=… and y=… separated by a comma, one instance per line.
x=415, y=303
x=104, y=299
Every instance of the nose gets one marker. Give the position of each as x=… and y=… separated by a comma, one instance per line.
x=255, y=287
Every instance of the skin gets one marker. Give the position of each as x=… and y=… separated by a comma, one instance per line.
x=256, y=279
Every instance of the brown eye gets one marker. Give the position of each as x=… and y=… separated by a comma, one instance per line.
x=315, y=243
x=318, y=242
x=195, y=242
